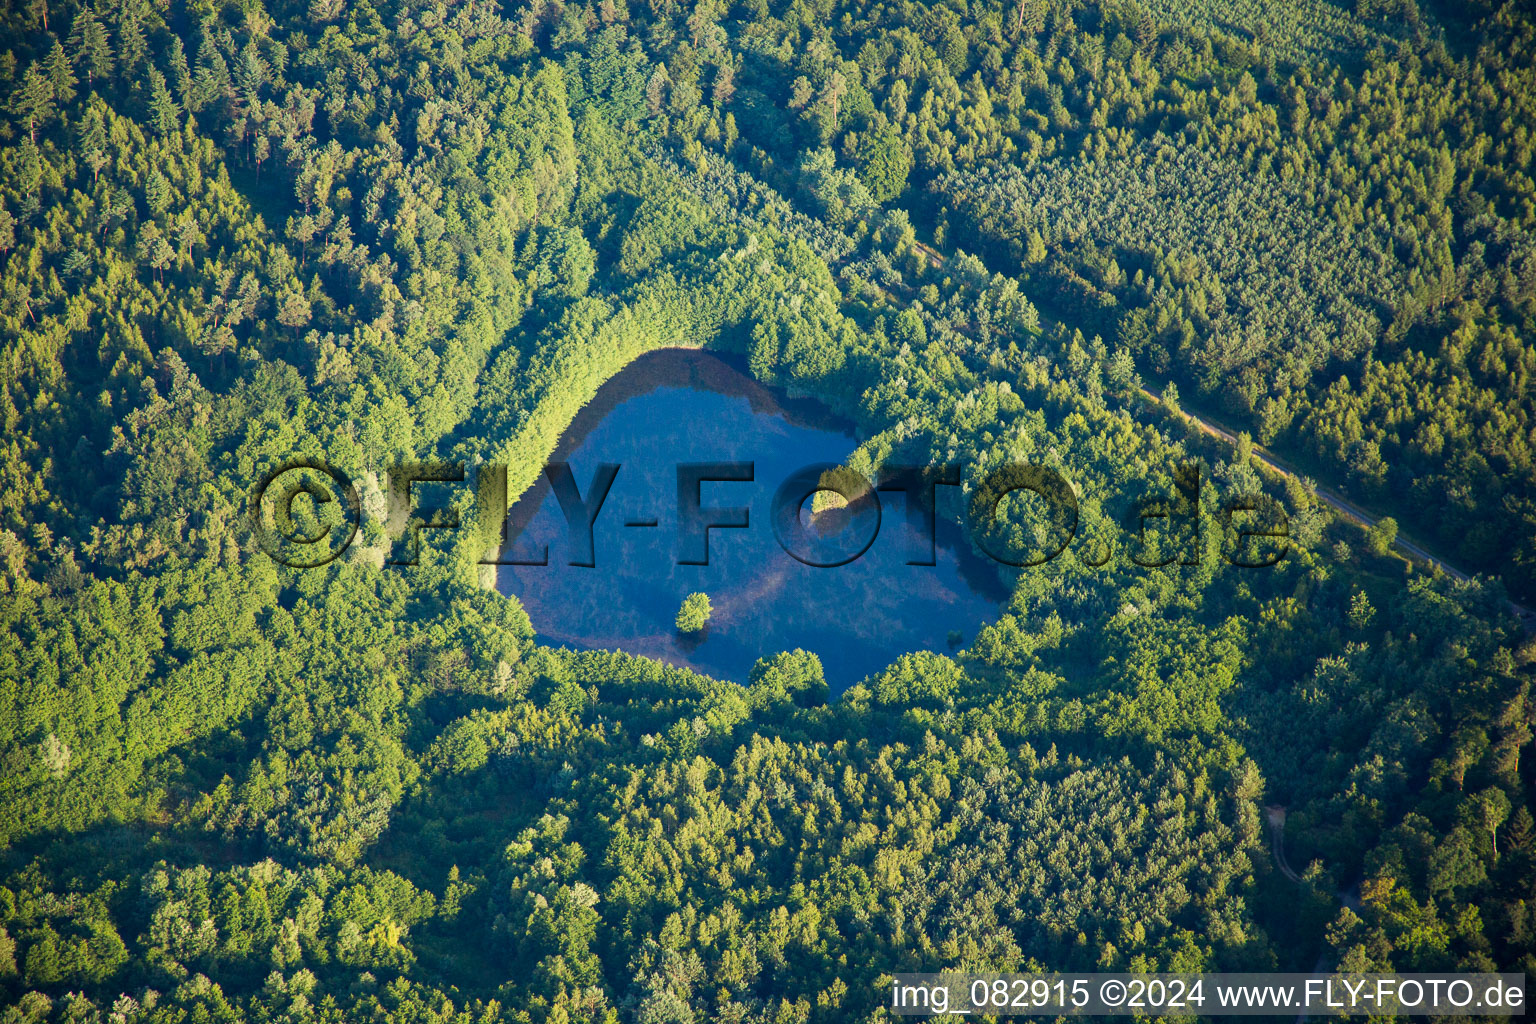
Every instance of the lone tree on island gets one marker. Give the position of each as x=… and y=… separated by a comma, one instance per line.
x=694, y=614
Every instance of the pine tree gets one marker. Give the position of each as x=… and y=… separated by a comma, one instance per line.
x=76, y=264
x=61, y=74
x=1521, y=830
x=656, y=91
x=88, y=43
x=211, y=77
x=294, y=311
x=322, y=11
x=154, y=251
x=1036, y=251
x=92, y=138
x=181, y=74
x=253, y=73
x=1146, y=30
x=32, y=100
x=163, y=109
x=1122, y=370
x=43, y=965
x=157, y=192
x=131, y=45
x=725, y=85
x=1361, y=612
x=260, y=151
x=114, y=206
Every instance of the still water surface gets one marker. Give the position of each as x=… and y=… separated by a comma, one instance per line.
x=679, y=406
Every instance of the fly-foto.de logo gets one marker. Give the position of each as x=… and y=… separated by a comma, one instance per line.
x=306, y=513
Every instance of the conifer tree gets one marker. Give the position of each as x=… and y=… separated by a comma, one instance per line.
x=61, y=74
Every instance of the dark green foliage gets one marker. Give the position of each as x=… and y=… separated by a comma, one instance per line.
x=232, y=791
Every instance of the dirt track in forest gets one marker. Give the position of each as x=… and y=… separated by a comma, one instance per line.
x=1340, y=504
x=1272, y=462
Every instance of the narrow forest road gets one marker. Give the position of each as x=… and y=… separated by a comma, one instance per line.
x=1337, y=502
x=1333, y=500
x=935, y=257
x=1340, y=504
x=1275, y=815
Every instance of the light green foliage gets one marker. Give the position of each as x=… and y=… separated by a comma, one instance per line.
x=1383, y=535
x=231, y=791
x=693, y=616
x=1312, y=294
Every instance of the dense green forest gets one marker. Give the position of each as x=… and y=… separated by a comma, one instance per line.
x=235, y=233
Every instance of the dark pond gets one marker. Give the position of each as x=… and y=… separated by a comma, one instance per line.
x=679, y=406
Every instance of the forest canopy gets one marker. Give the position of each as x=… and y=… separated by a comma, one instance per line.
x=378, y=232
